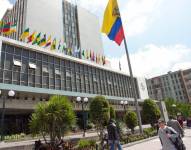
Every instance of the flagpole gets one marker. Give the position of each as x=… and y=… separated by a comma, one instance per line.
x=133, y=87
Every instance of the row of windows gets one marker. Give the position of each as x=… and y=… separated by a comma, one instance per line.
x=54, y=73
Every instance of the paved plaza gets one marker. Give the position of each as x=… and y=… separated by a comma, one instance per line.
x=156, y=145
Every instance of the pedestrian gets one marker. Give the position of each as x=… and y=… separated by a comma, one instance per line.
x=180, y=120
x=166, y=135
x=113, y=135
x=175, y=125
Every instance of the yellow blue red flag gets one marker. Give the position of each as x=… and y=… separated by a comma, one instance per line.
x=112, y=24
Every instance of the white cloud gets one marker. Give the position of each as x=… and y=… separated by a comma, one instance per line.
x=154, y=60
x=139, y=14
x=4, y=5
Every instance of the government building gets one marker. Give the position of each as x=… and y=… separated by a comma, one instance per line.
x=35, y=73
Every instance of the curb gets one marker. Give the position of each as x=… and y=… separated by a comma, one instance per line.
x=138, y=142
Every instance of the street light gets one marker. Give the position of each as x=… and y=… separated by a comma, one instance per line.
x=11, y=93
x=83, y=102
x=124, y=104
x=174, y=109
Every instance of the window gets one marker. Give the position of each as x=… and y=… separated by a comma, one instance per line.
x=17, y=62
x=45, y=69
x=57, y=72
x=32, y=66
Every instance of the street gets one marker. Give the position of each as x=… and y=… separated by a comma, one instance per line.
x=156, y=145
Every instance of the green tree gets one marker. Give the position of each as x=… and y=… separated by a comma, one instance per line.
x=169, y=102
x=112, y=113
x=99, y=114
x=184, y=109
x=131, y=120
x=52, y=118
x=150, y=112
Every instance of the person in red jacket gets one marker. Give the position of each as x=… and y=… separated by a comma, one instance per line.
x=180, y=120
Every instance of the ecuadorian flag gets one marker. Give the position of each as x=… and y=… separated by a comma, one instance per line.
x=112, y=24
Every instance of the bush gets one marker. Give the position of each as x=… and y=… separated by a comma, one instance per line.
x=150, y=112
x=86, y=144
x=99, y=114
x=112, y=113
x=131, y=120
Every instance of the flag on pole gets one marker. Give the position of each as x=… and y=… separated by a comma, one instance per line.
x=6, y=27
x=59, y=45
x=48, y=43
x=53, y=45
x=31, y=37
x=24, y=34
x=112, y=24
x=42, y=42
x=37, y=39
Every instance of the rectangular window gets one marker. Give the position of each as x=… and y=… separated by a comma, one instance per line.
x=32, y=66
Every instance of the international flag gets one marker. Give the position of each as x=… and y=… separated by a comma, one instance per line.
x=103, y=60
x=13, y=28
x=31, y=37
x=37, y=39
x=59, y=45
x=64, y=49
x=42, y=41
x=24, y=34
x=6, y=27
x=53, y=45
x=112, y=24
x=48, y=43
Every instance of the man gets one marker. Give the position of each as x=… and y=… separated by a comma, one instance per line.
x=113, y=135
x=175, y=125
x=166, y=135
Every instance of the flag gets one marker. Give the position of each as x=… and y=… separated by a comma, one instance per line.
x=64, y=49
x=83, y=53
x=119, y=65
x=42, y=42
x=24, y=34
x=1, y=24
x=6, y=27
x=48, y=43
x=31, y=37
x=112, y=24
x=53, y=45
x=59, y=45
x=103, y=60
x=13, y=28
x=37, y=39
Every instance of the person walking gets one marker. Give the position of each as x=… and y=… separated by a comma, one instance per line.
x=176, y=126
x=166, y=135
x=113, y=135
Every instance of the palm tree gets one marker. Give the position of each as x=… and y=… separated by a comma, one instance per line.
x=52, y=118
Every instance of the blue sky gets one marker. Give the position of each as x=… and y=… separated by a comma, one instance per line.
x=158, y=34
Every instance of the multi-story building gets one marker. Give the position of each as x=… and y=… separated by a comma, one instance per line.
x=176, y=85
x=36, y=73
x=62, y=20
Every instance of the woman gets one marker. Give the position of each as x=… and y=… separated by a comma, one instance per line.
x=167, y=135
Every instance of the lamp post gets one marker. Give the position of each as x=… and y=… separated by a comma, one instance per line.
x=83, y=101
x=11, y=93
x=124, y=105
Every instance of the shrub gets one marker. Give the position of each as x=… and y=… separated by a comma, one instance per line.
x=131, y=120
x=86, y=144
x=150, y=112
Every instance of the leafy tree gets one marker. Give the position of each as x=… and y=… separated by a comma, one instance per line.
x=112, y=113
x=99, y=114
x=184, y=109
x=131, y=120
x=169, y=106
x=150, y=112
x=52, y=118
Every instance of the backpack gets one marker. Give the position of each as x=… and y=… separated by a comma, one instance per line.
x=177, y=141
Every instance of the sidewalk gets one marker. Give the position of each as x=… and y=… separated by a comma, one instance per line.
x=156, y=145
